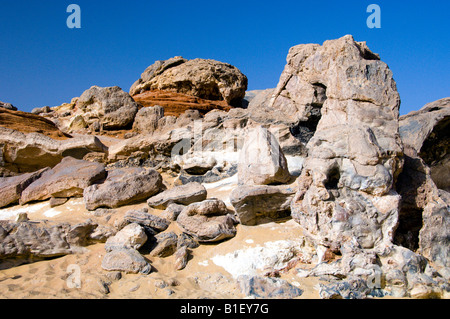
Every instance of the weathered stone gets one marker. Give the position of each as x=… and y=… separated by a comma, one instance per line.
x=67, y=179
x=7, y=106
x=147, y=119
x=33, y=151
x=28, y=239
x=143, y=218
x=181, y=258
x=183, y=195
x=127, y=260
x=164, y=245
x=423, y=183
x=261, y=160
x=209, y=207
x=112, y=107
x=122, y=187
x=206, y=79
x=354, y=155
x=254, y=204
x=131, y=236
x=267, y=288
x=57, y=201
x=11, y=188
x=207, y=221
x=172, y=211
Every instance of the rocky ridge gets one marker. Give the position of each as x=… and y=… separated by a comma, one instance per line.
x=325, y=150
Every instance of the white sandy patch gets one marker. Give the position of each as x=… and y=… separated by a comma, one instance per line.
x=224, y=184
x=204, y=263
x=248, y=261
x=42, y=208
x=11, y=212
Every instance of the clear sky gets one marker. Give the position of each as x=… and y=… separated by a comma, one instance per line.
x=43, y=62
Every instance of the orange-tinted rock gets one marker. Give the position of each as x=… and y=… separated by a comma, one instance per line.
x=176, y=104
x=30, y=123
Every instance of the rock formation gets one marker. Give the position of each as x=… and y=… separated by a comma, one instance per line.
x=207, y=221
x=28, y=152
x=361, y=194
x=424, y=182
x=261, y=160
x=67, y=179
x=122, y=187
x=205, y=79
x=355, y=153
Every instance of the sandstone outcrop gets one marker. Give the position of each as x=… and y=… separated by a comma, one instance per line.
x=30, y=123
x=425, y=134
x=205, y=79
x=28, y=152
x=354, y=154
x=97, y=109
x=176, y=104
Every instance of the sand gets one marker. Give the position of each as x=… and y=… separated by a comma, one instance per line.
x=210, y=273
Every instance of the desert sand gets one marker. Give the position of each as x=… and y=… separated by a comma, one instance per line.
x=210, y=273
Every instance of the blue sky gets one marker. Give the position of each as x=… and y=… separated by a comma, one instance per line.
x=42, y=62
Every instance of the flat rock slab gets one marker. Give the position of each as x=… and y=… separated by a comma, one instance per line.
x=183, y=195
x=11, y=188
x=143, y=218
x=122, y=187
x=67, y=179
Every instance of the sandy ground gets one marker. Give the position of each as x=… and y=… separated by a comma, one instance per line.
x=210, y=273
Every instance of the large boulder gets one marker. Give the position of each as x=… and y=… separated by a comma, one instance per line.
x=122, y=187
x=147, y=118
x=346, y=186
x=207, y=221
x=261, y=160
x=28, y=152
x=112, y=107
x=205, y=79
x=340, y=76
x=97, y=109
x=67, y=179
